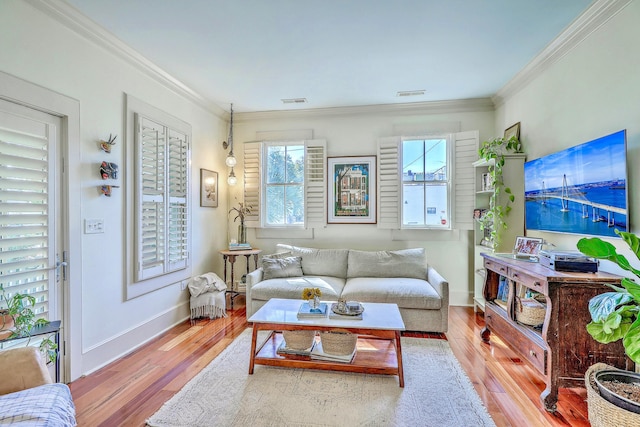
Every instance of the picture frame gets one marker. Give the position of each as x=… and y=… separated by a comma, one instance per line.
x=208, y=188
x=351, y=190
x=527, y=246
x=513, y=130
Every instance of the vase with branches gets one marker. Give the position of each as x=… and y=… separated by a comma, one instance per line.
x=242, y=211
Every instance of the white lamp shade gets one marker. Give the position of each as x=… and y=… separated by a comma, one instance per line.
x=231, y=161
x=232, y=180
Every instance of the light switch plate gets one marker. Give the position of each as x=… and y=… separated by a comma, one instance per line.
x=93, y=226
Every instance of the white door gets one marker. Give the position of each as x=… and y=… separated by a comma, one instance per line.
x=30, y=209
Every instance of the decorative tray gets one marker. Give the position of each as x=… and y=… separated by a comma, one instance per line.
x=350, y=311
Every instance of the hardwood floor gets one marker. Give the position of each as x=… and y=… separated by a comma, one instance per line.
x=131, y=389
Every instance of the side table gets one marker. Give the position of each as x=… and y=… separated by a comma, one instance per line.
x=231, y=257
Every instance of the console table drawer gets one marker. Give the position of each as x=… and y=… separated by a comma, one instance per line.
x=519, y=338
x=494, y=266
x=531, y=282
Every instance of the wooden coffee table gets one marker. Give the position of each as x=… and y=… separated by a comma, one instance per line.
x=379, y=350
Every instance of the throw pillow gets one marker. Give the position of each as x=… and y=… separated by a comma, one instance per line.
x=274, y=268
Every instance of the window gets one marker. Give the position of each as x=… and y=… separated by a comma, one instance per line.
x=159, y=198
x=425, y=183
x=284, y=183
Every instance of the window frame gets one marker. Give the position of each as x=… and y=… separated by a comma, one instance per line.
x=266, y=185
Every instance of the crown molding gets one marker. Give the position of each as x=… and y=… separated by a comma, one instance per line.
x=73, y=19
x=589, y=21
x=433, y=107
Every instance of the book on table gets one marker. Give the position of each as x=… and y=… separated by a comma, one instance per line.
x=239, y=247
x=284, y=350
x=305, y=311
x=317, y=353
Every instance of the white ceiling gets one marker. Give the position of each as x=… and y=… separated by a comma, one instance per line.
x=334, y=53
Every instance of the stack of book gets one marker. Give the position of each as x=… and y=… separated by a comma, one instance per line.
x=306, y=312
x=286, y=351
x=239, y=247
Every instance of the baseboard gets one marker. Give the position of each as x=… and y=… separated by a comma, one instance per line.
x=114, y=348
x=463, y=298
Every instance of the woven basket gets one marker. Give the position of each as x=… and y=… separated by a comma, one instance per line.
x=299, y=340
x=338, y=341
x=530, y=312
x=603, y=413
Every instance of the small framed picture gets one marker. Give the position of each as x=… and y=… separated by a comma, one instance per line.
x=208, y=188
x=513, y=130
x=527, y=246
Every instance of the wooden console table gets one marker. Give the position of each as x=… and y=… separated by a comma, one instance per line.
x=231, y=257
x=562, y=350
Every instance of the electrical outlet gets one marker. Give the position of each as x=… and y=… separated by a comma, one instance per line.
x=93, y=226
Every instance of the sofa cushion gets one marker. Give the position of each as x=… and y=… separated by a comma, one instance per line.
x=281, y=267
x=400, y=263
x=406, y=292
x=321, y=262
x=291, y=288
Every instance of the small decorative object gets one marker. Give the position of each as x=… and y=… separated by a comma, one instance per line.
x=312, y=296
x=208, y=188
x=105, y=190
x=342, y=305
x=242, y=211
x=106, y=145
x=108, y=170
x=352, y=190
x=513, y=131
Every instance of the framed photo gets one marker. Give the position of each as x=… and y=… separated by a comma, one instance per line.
x=513, y=130
x=351, y=185
x=527, y=246
x=208, y=188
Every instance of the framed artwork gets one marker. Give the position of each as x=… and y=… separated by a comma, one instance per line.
x=527, y=246
x=208, y=188
x=513, y=130
x=351, y=185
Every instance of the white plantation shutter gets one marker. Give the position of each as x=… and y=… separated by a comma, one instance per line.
x=389, y=180
x=162, y=196
x=252, y=182
x=466, y=146
x=315, y=203
x=26, y=208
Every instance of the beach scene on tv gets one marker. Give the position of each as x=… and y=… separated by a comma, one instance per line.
x=581, y=190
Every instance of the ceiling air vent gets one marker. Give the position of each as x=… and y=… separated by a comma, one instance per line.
x=294, y=101
x=410, y=92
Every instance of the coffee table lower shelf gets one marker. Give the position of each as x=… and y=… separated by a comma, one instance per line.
x=377, y=352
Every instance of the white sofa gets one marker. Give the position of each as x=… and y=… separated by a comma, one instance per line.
x=402, y=277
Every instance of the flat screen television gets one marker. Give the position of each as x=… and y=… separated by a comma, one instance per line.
x=581, y=190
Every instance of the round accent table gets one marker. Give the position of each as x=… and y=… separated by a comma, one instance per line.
x=231, y=257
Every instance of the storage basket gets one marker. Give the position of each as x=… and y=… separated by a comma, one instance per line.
x=603, y=413
x=299, y=340
x=530, y=312
x=338, y=341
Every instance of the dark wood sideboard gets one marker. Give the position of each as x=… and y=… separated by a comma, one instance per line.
x=562, y=349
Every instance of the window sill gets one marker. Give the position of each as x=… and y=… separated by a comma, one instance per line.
x=422, y=234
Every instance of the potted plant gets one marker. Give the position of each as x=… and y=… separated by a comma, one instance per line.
x=19, y=320
x=493, y=153
x=615, y=315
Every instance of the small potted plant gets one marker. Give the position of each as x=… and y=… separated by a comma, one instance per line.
x=616, y=315
x=493, y=153
x=19, y=320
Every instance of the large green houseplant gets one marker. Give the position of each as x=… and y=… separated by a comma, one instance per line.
x=493, y=152
x=614, y=315
x=19, y=309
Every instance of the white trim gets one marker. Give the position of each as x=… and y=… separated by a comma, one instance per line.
x=42, y=99
x=585, y=24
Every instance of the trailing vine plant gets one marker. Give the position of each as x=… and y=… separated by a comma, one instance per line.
x=493, y=152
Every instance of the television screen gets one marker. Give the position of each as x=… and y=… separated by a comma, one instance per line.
x=581, y=190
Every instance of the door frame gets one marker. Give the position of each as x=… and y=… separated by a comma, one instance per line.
x=30, y=95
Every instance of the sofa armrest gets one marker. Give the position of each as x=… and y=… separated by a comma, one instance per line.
x=254, y=277
x=22, y=368
x=439, y=283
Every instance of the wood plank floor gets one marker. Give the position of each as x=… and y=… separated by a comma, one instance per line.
x=131, y=389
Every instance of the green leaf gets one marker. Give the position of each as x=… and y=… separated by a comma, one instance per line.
x=631, y=341
x=601, y=306
x=597, y=331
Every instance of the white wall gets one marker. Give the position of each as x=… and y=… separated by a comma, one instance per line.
x=591, y=92
x=40, y=50
x=355, y=132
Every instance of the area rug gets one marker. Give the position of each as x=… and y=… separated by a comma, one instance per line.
x=437, y=392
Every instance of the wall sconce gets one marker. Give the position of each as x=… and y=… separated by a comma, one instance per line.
x=231, y=160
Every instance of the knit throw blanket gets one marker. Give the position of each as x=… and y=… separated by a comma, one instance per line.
x=207, y=296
